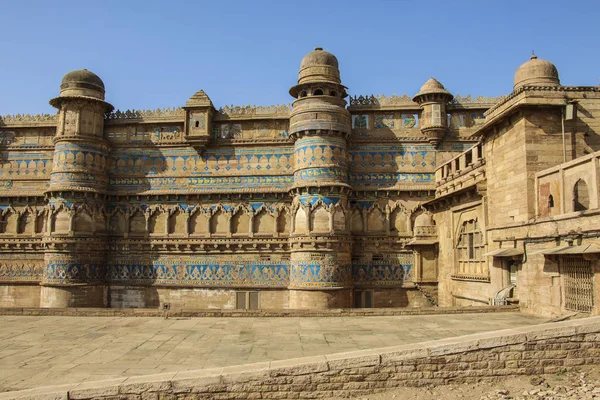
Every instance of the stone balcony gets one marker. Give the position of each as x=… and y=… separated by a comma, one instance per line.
x=463, y=171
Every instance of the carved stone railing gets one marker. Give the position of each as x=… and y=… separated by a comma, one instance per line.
x=158, y=113
x=27, y=118
x=225, y=112
x=248, y=111
x=466, y=169
x=483, y=100
x=425, y=231
x=381, y=100
x=405, y=100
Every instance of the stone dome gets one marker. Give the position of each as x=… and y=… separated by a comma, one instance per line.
x=319, y=66
x=82, y=83
x=536, y=72
x=425, y=219
x=433, y=86
x=319, y=57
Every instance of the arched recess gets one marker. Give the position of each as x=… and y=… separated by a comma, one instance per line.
x=137, y=223
x=263, y=223
x=581, y=196
x=339, y=220
x=219, y=223
x=26, y=222
x=40, y=222
x=300, y=221
x=356, y=222
x=82, y=222
x=319, y=219
x=199, y=223
x=399, y=221
x=240, y=222
x=177, y=222
x=100, y=221
x=157, y=222
x=376, y=221
x=117, y=223
x=62, y=221
x=283, y=221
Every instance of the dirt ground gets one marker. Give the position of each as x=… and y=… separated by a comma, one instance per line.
x=584, y=384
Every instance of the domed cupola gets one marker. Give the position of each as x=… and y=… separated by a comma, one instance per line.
x=319, y=65
x=431, y=88
x=319, y=75
x=82, y=83
x=536, y=72
x=433, y=98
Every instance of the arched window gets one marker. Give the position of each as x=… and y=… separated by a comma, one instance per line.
x=550, y=201
x=333, y=93
x=581, y=196
x=197, y=124
x=318, y=92
x=303, y=93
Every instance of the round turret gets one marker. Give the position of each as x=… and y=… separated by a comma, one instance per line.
x=319, y=66
x=433, y=98
x=536, y=72
x=82, y=83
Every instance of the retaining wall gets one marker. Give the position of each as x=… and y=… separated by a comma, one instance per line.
x=546, y=348
x=179, y=313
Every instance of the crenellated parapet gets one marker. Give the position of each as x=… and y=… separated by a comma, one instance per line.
x=128, y=116
x=254, y=111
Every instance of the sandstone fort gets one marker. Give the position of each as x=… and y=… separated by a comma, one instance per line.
x=334, y=201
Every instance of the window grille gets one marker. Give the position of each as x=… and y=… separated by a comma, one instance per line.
x=469, y=250
x=578, y=283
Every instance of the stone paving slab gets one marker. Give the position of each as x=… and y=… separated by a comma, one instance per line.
x=55, y=350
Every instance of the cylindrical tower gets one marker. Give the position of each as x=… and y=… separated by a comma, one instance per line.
x=321, y=275
x=75, y=238
x=433, y=98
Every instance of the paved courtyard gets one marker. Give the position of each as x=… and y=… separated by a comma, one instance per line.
x=42, y=351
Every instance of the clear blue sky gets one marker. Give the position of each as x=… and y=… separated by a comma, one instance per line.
x=154, y=54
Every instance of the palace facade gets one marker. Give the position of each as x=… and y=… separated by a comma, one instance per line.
x=332, y=202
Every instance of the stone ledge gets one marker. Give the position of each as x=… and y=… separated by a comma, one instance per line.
x=182, y=313
x=478, y=356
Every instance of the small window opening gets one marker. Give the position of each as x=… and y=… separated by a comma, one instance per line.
x=581, y=197
x=303, y=93
x=471, y=246
x=468, y=158
x=550, y=201
x=318, y=92
x=197, y=124
x=333, y=93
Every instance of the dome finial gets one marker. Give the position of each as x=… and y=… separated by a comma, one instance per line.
x=533, y=56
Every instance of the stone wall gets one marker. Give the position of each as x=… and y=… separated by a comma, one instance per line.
x=547, y=348
x=26, y=295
